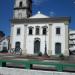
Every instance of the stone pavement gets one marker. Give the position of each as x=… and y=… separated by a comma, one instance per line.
x=13, y=71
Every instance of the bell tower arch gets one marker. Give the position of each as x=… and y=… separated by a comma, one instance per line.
x=22, y=9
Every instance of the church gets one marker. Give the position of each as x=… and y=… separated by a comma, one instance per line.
x=38, y=33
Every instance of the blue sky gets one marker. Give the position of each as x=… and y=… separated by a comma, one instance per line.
x=48, y=7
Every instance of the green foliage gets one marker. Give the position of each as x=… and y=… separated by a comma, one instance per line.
x=40, y=54
x=61, y=56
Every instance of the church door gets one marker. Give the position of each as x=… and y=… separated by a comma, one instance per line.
x=36, y=46
x=17, y=47
x=58, y=48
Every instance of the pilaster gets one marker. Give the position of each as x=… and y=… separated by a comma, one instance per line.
x=24, y=51
x=11, y=37
x=50, y=40
x=66, y=52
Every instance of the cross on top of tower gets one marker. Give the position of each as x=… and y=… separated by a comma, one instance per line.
x=39, y=12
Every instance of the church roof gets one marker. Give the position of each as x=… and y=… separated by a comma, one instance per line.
x=41, y=20
x=39, y=15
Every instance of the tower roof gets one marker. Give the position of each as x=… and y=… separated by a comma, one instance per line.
x=39, y=15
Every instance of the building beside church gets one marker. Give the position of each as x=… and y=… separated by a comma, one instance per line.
x=4, y=44
x=38, y=33
x=72, y=40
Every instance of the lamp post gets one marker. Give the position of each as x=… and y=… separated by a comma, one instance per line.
x=45, y=52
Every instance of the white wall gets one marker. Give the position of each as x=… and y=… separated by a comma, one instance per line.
x=16, y=37
x=30, y=38
x=58, y=38
x=20, y=14
x=2, y=44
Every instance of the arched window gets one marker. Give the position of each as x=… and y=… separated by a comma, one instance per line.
x=20, y=4
x=58, y=48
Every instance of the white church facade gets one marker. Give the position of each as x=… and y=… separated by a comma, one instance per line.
x=38, y=33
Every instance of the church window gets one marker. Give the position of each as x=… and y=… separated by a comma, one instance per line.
x=20, y=4
x=18, y=31
x=44, y=31
x=57, y=30
x=37, y=30
x=30, y=31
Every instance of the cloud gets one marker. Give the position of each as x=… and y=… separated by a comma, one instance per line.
x=37, y=2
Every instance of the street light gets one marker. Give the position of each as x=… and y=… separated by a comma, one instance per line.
x=45, y=52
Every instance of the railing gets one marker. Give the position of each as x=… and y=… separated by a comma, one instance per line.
x=28, y=63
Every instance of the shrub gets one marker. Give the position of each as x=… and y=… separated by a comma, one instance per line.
x=61, y=56
x=40, y=54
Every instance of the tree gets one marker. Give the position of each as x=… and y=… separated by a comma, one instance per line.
x=2, y=34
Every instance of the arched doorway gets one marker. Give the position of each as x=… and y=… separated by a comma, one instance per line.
x=17, y=47
x=36, y=46
x=58, y=48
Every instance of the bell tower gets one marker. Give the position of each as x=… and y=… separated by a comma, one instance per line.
x=22, y=9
